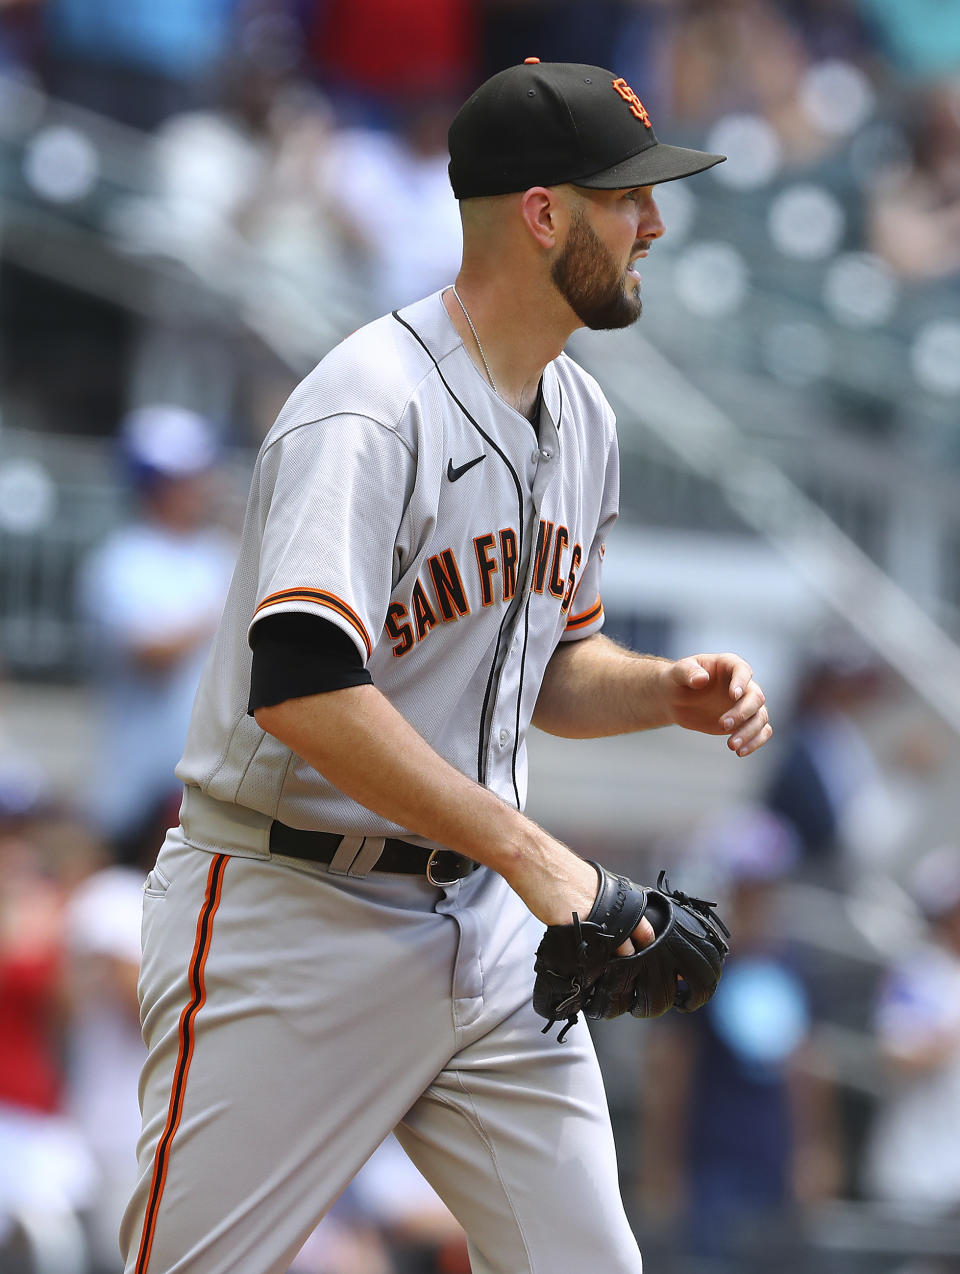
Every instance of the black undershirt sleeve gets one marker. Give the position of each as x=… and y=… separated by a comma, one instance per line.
x=295, y=654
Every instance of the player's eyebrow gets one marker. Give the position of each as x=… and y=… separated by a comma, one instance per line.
x=595, y=192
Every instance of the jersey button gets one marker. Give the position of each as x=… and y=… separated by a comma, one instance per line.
x=504, y=737
x=547, y=453
x=534, y=456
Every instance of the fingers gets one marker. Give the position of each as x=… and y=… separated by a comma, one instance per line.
x=741, y=677
x=691, y=672
x=641, y=937
x=749, y=735
x=748, y=705
x=746, y=720
x=748, y=725
x=698, y=670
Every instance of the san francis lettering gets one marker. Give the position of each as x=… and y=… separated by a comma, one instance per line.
x=441, y=596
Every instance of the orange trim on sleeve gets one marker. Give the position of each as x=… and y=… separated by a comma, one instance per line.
x=585, y=617
x=319, y=596
x=198, y=961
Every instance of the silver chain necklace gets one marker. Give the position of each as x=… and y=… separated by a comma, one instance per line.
x=486, y=365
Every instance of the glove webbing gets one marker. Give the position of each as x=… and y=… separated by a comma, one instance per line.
x=701, y=905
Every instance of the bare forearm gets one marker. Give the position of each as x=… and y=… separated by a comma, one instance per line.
x=595, y=688
x=358, y=741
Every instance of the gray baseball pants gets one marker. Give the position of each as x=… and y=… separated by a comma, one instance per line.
x=294, y=1016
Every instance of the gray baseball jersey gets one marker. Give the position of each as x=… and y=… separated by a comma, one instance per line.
x=400, y=498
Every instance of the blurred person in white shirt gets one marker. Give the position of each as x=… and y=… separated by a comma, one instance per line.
x=152, y=593
x=913, y=1156
x=414, y=247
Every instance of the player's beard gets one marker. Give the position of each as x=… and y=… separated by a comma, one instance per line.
x=590, y=281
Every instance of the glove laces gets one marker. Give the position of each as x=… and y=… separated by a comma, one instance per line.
x=565, y=1005
x=705, y=908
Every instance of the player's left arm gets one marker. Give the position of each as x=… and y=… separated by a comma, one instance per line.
x=594, y=688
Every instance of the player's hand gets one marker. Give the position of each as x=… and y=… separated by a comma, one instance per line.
x=571, y=886
x=716, y=694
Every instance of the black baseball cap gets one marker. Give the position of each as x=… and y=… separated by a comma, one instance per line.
x=547, y=123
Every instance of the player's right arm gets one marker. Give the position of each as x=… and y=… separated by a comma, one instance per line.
x=358, y=741
x=352, y=734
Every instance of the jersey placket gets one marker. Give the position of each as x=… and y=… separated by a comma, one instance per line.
x=502, y=724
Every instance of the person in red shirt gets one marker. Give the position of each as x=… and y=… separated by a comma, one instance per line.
x=30, y=918
x=374, y=56
x=47, y=1177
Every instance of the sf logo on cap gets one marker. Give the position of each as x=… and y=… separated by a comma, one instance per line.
x=636, y=106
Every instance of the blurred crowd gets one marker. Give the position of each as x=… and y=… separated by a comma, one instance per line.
x=311, y=135
x=827, y=1068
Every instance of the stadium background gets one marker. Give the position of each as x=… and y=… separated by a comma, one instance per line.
x=197, y=200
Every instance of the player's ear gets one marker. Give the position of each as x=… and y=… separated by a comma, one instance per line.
x=544, y=214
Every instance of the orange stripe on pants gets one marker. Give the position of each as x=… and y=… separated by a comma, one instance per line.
x=198, y=960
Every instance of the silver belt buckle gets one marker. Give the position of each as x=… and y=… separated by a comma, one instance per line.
x=432, y=862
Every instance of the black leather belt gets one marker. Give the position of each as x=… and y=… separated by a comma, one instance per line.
x=440, y=866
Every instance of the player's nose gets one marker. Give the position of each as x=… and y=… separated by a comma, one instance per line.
x=649, y=222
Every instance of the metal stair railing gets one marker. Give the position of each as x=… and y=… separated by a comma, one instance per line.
x=708, y=443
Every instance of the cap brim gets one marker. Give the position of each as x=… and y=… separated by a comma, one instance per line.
x=656, y=164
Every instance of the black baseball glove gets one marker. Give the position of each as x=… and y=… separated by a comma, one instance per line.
x=578, y=970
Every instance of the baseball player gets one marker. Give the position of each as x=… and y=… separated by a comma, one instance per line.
x=339, y=937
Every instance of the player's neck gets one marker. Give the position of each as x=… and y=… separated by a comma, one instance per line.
x=508, y=333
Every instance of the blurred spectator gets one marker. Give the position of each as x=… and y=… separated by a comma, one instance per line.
x=286, y=212
x=828, y=781
x=423, y=1235
x=388, y=1221
x=921, y=38
x=46, y=1172
x=741, y=55
x=787, y=80
x=138, y=61
x=104, y=1047
x=591, y=31
x=914, y=1154
x=914, y=218
x=634, y=37
x=152, y=593
x=372, y=57
x=210, y=163
x=415, y=248
x=830, y=28
x=19, y=33
x=346, y=1242
x=736, y=1131
x=29, y=950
